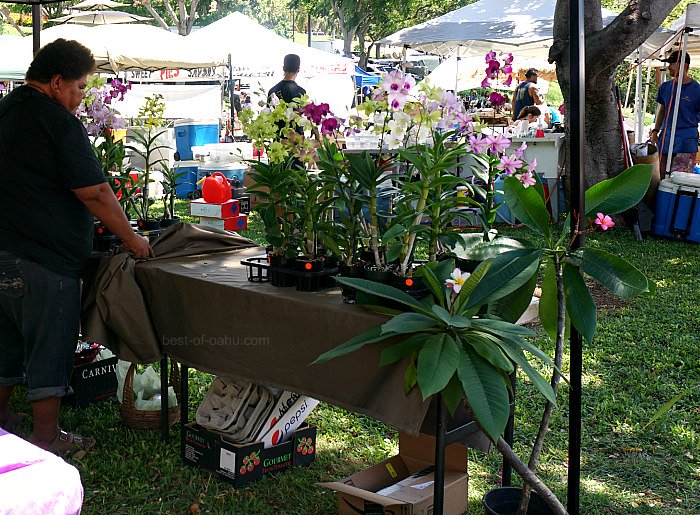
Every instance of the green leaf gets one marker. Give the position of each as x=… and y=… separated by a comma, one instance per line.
x=470, y=285
x=406, y=323
x=482, y=250
x=372, y=335
x=437, y=362
x=486, y=392
x=663, y=409
x=400, y=350
x=501, y=327
x=442, y=313
x=485, y=345
x=453, y=394
x=393, y=232
x=527, y=205
x=537, y=380
x=620, y=193
x=507, y=273
x=512, y=306
x=613, y=272
x=548, y=301
x=579, y=303
x=525, y=345
x=384, y=291
x=409, y=377
x=430, y=279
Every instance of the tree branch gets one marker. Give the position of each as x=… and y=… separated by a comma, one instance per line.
x=156, y=16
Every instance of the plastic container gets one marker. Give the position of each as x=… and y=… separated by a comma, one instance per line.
x=216, y=189
x=186, y=183
x=503, y=214
x=232, y=171
x=677, y=211
x=190, y=133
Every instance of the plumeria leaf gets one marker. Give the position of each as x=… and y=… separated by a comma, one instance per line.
x=507, y=273
x=437, y=362
x=384, y=291
x=619, y=193
x=579, y=303
x=527, y=205
x=540, y=382
x=613, y=272
x=469, y=285
x=453, y=394
x=486, y=347
x=548, y=300
x=525, y=345
x=410, y=377
x=486, y=392
x=488, y=249
x=512, y=306
x=372, y=335
x=400, y=350
x=501, y=327
x=442, y=313
x=430, y=279
x=406, y=323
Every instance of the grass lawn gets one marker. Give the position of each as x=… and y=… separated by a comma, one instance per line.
x=646, y=351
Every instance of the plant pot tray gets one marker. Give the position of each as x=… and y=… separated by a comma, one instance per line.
x=307, y=281
x=258, y=268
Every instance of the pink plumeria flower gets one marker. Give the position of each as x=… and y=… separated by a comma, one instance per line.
x=509, y=164
x=521, y=151
x=532, y=166
x=457, y=280
x=527, y=179
x=604, y=221
x=498, y=143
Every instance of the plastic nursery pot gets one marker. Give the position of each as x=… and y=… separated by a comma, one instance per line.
x=379, y=276
x=414, y=286
x=167, y=222
x=505, y=500
x=148, y=225
x=349, y=293
x=308, y=265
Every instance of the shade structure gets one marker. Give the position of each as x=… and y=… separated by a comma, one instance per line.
x=92, y=18
x=91, y=5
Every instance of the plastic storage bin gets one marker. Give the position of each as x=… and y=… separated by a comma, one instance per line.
x=190, y=133
x=186, y=183
x=677, y=211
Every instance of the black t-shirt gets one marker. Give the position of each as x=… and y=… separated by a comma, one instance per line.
x=44, y=153
x=287, y=89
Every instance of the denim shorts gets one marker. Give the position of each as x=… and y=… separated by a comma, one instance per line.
x=39, y=324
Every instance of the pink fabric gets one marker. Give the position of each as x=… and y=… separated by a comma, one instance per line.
x=35, y=481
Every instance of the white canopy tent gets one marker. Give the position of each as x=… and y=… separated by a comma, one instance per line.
x=257, y=55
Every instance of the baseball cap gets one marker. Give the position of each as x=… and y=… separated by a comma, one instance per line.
x=674, y=57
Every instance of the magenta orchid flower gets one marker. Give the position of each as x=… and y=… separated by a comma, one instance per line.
x=486, y=83
x=527, y=179
x=479, y=144
x=498, y=143
x=604, y=221
x=532, y=166
x=509, y=80
x=491, y=56
x=509, y=164
x=509, y=58
x=457, y=280
x=507, y=69
x=496, y=99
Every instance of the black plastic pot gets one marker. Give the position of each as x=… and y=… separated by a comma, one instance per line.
x=414, y=286
x=167, y=222
x=505, y=500
x=148, y=225
x=379, y=276
x=348, y=292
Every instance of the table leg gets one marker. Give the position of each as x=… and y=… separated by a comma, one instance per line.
x=164, y=427
x=184, y=405
x=439, y=489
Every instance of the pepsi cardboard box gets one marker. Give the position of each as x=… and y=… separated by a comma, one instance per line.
x=93, y=382
x=240, y=464
x=403, y=484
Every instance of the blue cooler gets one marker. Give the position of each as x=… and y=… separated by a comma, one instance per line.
x=191, y=133
x=187, y=182
x=229, y=170
x=677, y=208
x=503, y=214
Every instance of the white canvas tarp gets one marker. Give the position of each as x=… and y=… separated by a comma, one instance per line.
x=257, y=55
x=181, y=100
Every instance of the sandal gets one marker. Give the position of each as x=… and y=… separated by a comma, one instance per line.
x=67, y=443
x=14, y=422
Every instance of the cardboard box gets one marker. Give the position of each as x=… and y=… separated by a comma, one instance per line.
x=94, y=382
x=240, y=464
x=244, y=205
x=403, y=484
x=228, y=209
x=236, y=223
x=285, y=419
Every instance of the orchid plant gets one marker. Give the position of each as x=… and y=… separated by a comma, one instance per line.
x=494, y=71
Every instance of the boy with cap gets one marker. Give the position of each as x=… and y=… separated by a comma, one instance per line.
x=685, y=141
x=287, y=89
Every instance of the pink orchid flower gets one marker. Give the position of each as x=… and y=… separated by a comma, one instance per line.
x=485, y=83
x=479, y=144
x=509, y=58
x=532, y=166
x=491, y=56
x=499, y=143
x=521, y=151
x=509, y=164
x=527, y=179
x=604, y=221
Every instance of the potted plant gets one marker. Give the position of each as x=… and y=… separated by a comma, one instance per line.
x=148, y=135
x=169, y=183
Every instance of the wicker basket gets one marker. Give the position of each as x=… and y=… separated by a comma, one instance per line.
x=141, y=419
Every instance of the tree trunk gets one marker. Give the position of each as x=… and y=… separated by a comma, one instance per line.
x=605, y=49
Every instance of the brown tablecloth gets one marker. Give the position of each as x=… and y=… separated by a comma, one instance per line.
x=209, y=316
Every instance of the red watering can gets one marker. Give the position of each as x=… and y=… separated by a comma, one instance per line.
x=216, y=189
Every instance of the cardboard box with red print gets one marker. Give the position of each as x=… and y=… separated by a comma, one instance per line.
x=228, y=209
x=236, y=223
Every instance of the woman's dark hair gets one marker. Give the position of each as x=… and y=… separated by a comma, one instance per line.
x=533, y=110
x=69, y=59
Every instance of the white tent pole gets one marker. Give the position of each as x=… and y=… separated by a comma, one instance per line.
x=638, y=113
x=645, y=97
x=681, y=73
x=457, y=70
x=629, y=87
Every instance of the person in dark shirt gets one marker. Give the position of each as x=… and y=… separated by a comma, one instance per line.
x=287, y=89
x=526, y=94
x=51, y=189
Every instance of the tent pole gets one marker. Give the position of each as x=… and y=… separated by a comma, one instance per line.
x=230, y=92
x=645, y=97
x=629, y=87
x=36, y=27
x=577, y=74
x=677, y=100
x=457, y=70
x=638, y=112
